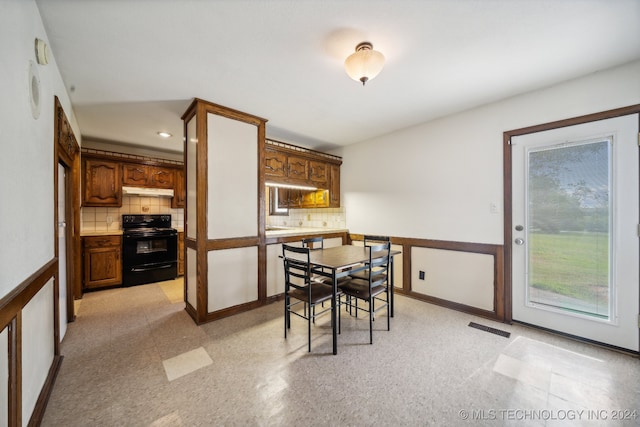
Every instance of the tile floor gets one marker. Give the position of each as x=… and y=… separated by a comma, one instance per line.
x=134, y=357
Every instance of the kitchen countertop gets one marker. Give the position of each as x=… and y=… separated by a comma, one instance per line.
x=299, y=231
x=84, y=233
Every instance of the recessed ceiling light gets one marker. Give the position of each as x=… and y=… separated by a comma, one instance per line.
x=165, y=134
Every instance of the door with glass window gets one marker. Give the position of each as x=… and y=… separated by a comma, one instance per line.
x=575, y=230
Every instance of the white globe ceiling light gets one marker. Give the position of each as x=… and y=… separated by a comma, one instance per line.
x=365, y=63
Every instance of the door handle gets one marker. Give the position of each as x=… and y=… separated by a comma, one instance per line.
x=519, y=241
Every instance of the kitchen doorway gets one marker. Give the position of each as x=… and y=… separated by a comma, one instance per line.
x=572, y=228
x=66, y=220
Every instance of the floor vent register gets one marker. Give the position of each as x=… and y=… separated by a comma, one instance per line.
x=488, y=329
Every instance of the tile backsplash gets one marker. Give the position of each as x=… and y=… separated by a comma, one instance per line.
x=109, y=219
x=316, y=218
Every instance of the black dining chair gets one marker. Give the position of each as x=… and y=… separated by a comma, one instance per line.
x=370, y=240
x=300, y=287
x=374, y=289
x=318, y=274
x=313, y=242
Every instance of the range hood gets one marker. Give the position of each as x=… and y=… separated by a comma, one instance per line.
x=148, y=192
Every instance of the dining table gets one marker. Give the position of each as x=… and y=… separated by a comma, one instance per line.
x=340, y=261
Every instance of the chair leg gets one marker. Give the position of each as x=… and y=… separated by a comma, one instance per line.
x=339, y=316
x=371, y=321
x=388, y=313
x=286, y=316
x=309, y=327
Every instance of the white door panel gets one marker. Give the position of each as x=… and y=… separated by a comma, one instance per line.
x=575, y=230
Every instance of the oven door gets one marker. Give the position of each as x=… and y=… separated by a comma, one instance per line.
x=143, y=250
x=148, y=259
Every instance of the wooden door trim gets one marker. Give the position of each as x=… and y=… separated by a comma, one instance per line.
x=67, y=153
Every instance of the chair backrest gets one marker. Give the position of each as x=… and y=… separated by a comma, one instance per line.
x=313, y=242
x=379, y=256
x=370, y=240
x=296, y=265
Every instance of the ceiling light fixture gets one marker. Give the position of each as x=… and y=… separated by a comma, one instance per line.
x=365, y=63
x=164, y=134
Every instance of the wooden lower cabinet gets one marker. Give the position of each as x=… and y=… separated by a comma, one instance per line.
x=180, y=253
x=102, y=261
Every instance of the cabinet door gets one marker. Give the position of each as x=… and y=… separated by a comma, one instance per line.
x=283, y=198
x=102, y=183
x=135, y=175
x=334, y=186
x=102, y=262
x=318, y=172
x=179, y=192
x=275, y=163
x=297, y=168
x=160, y=177
x=294, y=198
x=308, y=199
x=322, y=199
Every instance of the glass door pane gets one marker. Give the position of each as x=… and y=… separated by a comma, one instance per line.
x=569, y=233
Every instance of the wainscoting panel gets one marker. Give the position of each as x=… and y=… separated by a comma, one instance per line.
x=460, y=277
x=37, y=346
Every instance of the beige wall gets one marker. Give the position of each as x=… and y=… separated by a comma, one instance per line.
x=27, y=189
x=441, y=177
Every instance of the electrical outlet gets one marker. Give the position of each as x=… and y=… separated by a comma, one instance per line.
x=421, y=275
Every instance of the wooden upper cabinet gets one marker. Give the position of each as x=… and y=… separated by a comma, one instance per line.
x=275, y=163
x=288, y=164
x=318, y=172
x=160, y=177
x=138, y=175
x=135, y=175
x=102, y=183
x=179, y=193
x=334, y=186
x=298, y=168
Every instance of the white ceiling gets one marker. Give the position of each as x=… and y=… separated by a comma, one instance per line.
x=132, y=67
